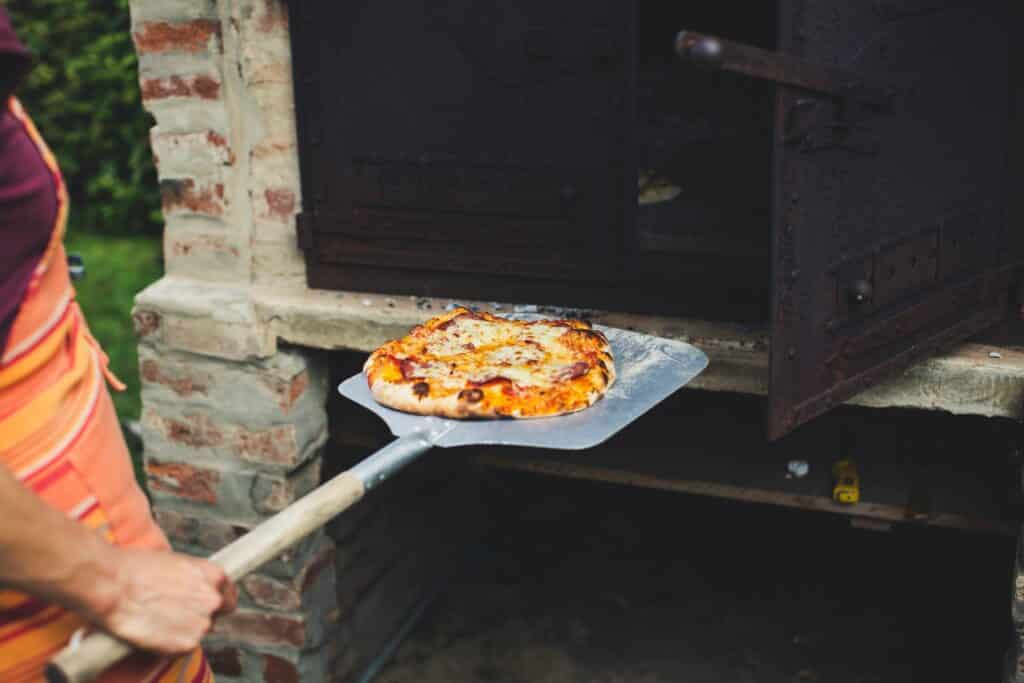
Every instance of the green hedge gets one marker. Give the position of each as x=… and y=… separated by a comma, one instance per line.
x=83, y=93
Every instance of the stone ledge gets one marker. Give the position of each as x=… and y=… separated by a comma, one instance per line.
x=238, y=322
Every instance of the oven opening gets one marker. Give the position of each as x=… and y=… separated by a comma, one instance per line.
x=703, y=142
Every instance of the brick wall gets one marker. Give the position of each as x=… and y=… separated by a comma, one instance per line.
x=234, y=428
x=216, y=76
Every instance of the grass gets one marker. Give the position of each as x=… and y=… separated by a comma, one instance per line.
x=116, y=269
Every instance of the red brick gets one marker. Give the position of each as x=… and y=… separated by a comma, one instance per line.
x=217, y=140
x=202, y=87
x=225, y=661
x=277, y=670
x=274, y=16
x=276, y=446
x=266, y=150
x=162, y=36
x=197, y=431
x=272, y=594
x=280, y=203
x=182, y=386
x=284, y=596
x=184, y=481
x=209, y=534
x=273, y=494
x=296, y=388
x=181, y=195
x=145, y=323
x=261, y=628
x=288, y=390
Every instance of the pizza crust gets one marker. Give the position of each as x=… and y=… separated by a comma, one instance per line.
x=465, y=365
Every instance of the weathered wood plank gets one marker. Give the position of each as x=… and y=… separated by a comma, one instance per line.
x=717, y=489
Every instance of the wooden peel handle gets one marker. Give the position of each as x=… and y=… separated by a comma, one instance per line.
x=85, y=661
x=97, y=652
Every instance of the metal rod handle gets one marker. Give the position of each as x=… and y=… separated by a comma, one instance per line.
x=777, y=67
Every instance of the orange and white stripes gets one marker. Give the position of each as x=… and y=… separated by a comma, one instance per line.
x=59, y=435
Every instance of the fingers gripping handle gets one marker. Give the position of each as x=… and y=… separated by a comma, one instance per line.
x=99, y=651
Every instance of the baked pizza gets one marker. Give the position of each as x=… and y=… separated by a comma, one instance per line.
x=476, y=365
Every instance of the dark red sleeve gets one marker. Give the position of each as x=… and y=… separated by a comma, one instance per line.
x=28, y=196
x=14, y=58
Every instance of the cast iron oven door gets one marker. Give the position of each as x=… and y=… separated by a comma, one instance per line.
x=890, y=218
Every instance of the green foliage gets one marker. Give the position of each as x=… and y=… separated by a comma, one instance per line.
x=116, y=269
x=83, y=94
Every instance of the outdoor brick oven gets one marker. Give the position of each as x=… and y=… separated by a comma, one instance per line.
x=242, y=340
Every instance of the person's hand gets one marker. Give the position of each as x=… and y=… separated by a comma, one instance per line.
x=161, y=601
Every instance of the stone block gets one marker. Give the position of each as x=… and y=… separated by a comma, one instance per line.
x=201, y=247
x=189, y=114
x=281, y=389
x=257, y=627
x=313, y=583
x=271, y=493
x=262, y=628
x=270, y=663
x=203, y=153
x=272, y=594
x=194, y=196
x=200, y=533
x=171, y=10
x=206, y=318
x=264, y=18
x=278, y=261
x=203, y=533
x=196, y=438
x=242, y=496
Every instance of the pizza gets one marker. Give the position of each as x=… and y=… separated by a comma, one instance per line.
x=463, y=364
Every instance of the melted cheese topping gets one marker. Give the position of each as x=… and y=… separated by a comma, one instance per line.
x=511, y=368
x=476, y=351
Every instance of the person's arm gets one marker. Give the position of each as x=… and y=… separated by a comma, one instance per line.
x=159, y=601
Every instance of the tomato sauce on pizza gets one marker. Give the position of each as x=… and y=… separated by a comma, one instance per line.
x=463, y=364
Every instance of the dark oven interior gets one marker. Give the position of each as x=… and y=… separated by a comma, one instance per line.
x=536, y=152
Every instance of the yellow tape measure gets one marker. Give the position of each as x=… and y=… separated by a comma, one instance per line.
x=846, y=482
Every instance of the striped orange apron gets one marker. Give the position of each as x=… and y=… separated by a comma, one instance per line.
x=59, y=435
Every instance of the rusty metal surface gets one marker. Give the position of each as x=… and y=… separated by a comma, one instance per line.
x=882, y=257
x=771, y=65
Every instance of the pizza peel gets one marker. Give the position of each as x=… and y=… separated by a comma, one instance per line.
x=649, y=369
